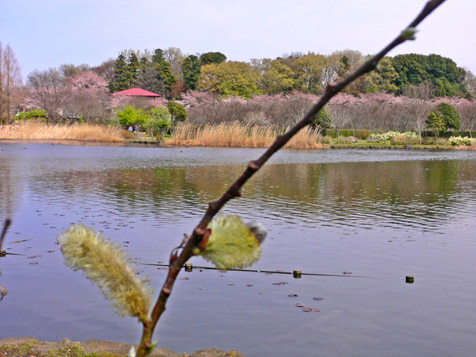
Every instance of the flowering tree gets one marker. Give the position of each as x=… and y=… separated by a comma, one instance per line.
x=89, y=96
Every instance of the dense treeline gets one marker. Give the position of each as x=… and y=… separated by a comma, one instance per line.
x=373, y=111
x=262, y=91
x=170, y=72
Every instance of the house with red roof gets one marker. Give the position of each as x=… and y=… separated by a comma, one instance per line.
x=138, y=97
x=136, y=92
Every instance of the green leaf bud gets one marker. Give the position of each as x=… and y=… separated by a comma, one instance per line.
x=409, y=33
x=233, y=243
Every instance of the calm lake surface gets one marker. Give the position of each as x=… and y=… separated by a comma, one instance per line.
x=376, y=216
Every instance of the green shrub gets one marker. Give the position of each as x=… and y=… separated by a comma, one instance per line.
x=346, y=132
x=432, y=141
x=33, y=113
x=459, y=141
x=362, y=134
x=177, y=111
x=324, y=119
x=442, y=118
x=443, y=142
x=326, y=140
x=345, y=140
x=403, y=139
x=158, y=120
x=331, y=132
x=389, y=135
x=129, y=116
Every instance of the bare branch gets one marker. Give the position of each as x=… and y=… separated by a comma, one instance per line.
x=253, y=166
x=4, y=231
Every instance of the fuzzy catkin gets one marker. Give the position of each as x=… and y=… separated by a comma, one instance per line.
x=106, y=265
x=232, y=243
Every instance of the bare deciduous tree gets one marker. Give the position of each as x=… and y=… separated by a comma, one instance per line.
x=48, y=90
x=10, y=83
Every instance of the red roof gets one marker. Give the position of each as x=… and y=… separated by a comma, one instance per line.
x=137, y=92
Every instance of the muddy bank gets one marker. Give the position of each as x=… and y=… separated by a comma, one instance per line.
x=29, y=346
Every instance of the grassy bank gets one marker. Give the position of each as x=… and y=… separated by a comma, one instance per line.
x=238, y=135
x=29, y=346
x=80, y=132
x=220, y=135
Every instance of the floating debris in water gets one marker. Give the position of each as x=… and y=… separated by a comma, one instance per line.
x=19, y=241
x=293, y=295
x=310, y=309
x=317, y=298
x=306, y=309
x=281, y=283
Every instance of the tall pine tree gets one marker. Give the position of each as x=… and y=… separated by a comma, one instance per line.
x=164, y=72
x=122, y=76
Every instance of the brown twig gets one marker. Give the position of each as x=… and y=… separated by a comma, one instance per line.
x=4, y=232
x=253, y=166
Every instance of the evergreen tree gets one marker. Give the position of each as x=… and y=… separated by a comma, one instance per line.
x=442, y=72
x=164, y=72
x=148, y=79
x=212, y=57
x=451, y=117
x=323, y=119
x=122, y=77
x=191, y=71
x=133, y=67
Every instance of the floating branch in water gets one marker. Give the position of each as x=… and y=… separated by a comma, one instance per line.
x=106, y=265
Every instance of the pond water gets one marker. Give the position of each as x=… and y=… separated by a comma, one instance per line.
x=374, y=215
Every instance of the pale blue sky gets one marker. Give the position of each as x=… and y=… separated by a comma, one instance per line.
x=48, y=33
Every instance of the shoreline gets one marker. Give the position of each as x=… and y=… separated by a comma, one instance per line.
x=26, y=346
x=132, y=143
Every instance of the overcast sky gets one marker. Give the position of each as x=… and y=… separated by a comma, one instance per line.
x=48, y=33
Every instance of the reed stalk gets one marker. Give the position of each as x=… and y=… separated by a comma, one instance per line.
x=240, y=135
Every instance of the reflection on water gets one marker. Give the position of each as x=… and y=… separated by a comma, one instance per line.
x=417, y=194
x=377, y=214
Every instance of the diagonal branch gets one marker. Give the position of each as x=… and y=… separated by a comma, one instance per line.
x=253, y=166
x=4, y=231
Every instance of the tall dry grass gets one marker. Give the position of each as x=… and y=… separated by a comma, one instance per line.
x=239, y=135
x=40, y=131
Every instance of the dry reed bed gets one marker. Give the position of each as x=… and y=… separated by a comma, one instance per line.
x=41, y=131
x=239, y=135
